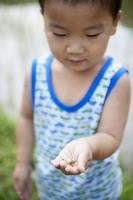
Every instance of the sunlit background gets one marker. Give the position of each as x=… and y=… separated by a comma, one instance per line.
x=22, y=38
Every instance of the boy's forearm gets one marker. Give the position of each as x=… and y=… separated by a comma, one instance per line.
x=24, y=141
x=103, y=145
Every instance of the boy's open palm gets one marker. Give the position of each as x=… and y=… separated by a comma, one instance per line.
x=74, y=158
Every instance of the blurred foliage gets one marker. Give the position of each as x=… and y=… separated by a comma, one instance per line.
x=7, y=162
x=7, y=159
x=7, y=156
x=127, y=193
x=127, y=17
x=16, y=1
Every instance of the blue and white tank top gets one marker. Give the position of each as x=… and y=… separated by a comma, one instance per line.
x=56, y=124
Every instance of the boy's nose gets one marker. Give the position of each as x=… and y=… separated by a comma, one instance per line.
x=75, y=48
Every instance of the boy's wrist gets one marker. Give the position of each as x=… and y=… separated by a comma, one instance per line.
x=24, y=164
x=23, y=159
x=92, y=145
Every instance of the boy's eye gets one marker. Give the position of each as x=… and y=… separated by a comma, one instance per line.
x=93, y=35
x=60, y=34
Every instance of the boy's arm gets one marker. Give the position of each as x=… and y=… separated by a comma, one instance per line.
x=76, y=155
x=24, y=130
x=113, y=120
x=24, y=144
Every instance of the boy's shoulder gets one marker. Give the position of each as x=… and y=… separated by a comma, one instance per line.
x=117, y=69
x=117, y=74
x=41, y=60
x=118, y=64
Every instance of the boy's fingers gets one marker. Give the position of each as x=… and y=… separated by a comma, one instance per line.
x=18, y=187
x=65, y=155
x=72, y=170
x=56, y=162
x=22, y=188
x=63, y=164
x=25, y=195
x=83, y=162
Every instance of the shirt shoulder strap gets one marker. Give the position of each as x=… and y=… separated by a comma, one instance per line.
x=121, y=71
x=33, y=81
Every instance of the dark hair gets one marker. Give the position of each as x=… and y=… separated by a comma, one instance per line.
x=112, y=5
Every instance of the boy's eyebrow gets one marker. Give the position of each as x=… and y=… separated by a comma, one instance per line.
x=97, y=26
x=54, y=25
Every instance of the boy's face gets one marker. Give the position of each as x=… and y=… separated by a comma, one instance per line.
x=78, y=35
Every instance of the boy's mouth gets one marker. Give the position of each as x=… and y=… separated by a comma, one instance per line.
x=76, y=61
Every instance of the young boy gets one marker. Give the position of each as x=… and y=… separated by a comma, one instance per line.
x=80, y=101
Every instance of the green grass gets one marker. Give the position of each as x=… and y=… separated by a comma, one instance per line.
x=127, y=15
x=7, y=162
x=16, y=1
x=7, y=159
x=127, y=193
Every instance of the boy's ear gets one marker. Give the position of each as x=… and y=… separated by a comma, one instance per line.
x=116, y=21
x=41, y=11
